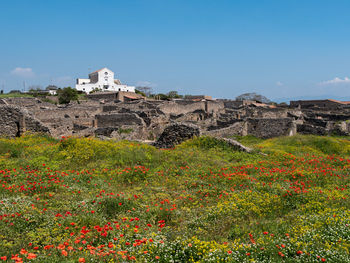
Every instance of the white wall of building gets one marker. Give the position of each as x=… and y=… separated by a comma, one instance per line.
x=52, y=92
x=102, y=80
x=83, y=81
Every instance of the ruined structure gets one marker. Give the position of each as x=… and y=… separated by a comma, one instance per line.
x=16, y=121
x=147, y=119
x=330, y=104
x=175, y=134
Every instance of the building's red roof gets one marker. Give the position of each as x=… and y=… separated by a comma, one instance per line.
x=97, y=71
x=131, y=97
x=341, y=102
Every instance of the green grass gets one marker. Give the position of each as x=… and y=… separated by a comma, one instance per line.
x=202, y=201
x=15, y=95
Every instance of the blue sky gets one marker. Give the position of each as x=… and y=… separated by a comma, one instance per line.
x=281, y=49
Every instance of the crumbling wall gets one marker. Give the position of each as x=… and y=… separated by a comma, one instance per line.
x=14, y=122
x=214, y=106
x=268, y=128
x=117, y=120
x=102, y=96
x=175, y=134
x=233, y=104
x=34, y=125
x=181, y=107
x=259, y=112
x=235, y=129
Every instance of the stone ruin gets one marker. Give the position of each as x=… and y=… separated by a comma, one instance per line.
x=146, y=120
x=175, y=134
x=16, y=121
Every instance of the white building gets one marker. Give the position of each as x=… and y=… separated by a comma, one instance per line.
x=102, y=80
x=52, y=90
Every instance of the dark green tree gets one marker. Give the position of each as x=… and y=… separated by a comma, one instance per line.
x=140, y=92
x=67, y=95
x=174, y=95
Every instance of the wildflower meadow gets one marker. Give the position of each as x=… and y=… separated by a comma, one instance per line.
x=86, y=200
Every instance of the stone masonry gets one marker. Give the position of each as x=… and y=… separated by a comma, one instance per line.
x=146, y=120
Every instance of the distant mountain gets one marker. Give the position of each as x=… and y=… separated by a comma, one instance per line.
x=320, y=97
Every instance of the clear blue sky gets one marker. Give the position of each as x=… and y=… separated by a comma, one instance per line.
x=279, y=48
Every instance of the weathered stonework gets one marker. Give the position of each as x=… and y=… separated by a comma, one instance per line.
x=268, y=128
x=146, y=120
x=175, y=134
x=15, y=122
x=117, y=120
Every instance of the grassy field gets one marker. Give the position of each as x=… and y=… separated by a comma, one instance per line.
x=85, y=200
x=15, y=95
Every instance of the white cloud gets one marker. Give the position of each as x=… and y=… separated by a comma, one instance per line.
x=336, y=81
x=62, y=81
x=23, y=72
x=145, y=84
x=279, y=84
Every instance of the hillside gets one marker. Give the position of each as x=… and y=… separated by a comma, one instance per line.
x=86, y=200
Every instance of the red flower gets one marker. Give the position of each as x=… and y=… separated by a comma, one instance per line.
x=31, y=256
x=299, y=252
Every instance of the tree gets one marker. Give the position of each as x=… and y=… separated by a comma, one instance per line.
x=14, y=91
x=35, y=88
x=66, y=95
x=145, y=90
x=140, y=92
x=174, y=95
x=161, y=96
x=253, y=96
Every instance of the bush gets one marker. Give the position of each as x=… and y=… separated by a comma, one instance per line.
x=66, y=95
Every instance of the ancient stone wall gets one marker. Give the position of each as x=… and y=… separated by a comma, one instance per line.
x=175, y=134
x=147, y=119
x=268, y=113
x=184, y=107
x=214, y=107
x=235, y=129
x=181, y=107
x=117, y=120
x=107, y=108
x=232, y=104
x=34, y=125
x=328, y=104
x=268, y=128
x=15, y=121
x=103, y=96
